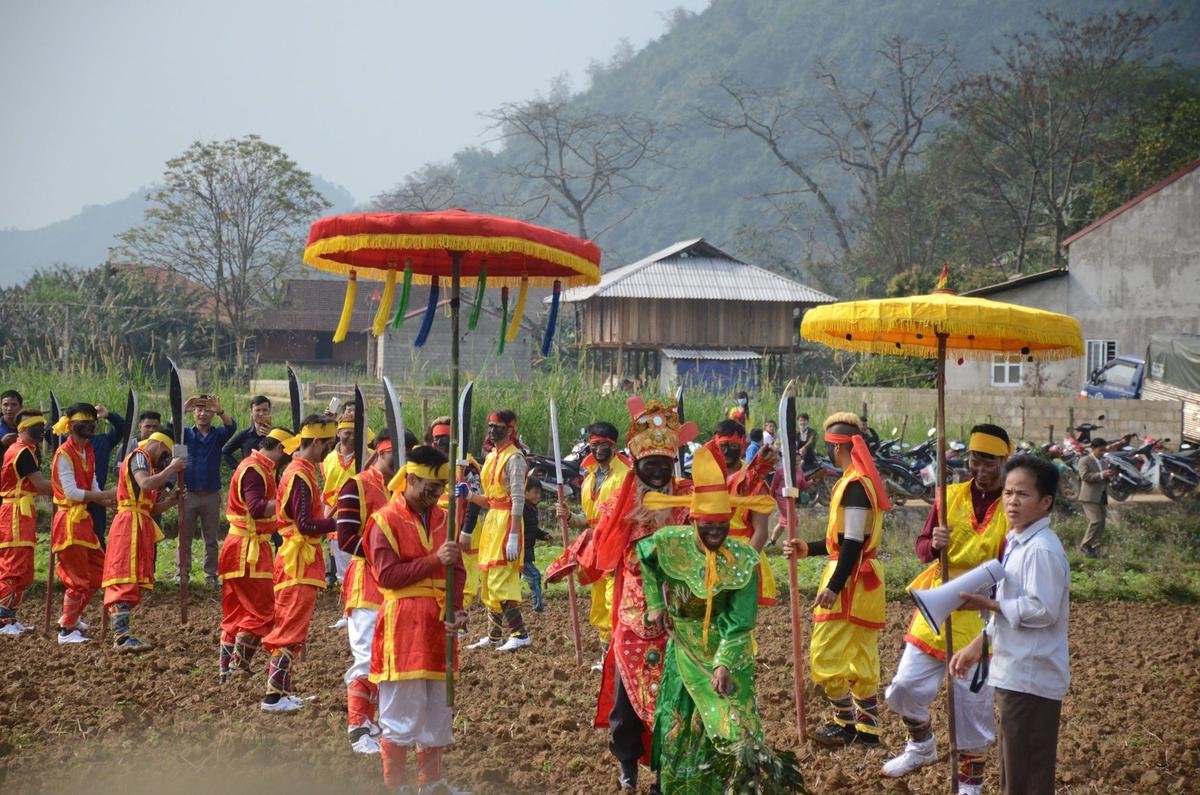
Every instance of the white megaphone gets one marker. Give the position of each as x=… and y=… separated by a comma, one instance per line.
x=937, y=603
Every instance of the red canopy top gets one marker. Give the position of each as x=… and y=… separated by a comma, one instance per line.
x=371, y=244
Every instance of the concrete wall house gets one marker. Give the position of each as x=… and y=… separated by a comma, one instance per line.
x=1132, y=273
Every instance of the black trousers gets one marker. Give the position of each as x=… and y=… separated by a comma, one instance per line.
x=1028, y=742
x=624, y=725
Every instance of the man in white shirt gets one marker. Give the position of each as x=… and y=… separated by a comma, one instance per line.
x=1027, y=632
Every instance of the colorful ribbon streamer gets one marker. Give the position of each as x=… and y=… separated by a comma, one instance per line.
x=430, y=311
x=552, y=321
x=343, y=326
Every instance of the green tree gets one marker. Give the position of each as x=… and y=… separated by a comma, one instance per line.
x=1159, y=140
x=230, y=216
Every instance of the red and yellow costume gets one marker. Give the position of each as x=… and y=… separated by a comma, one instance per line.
x=592, y=498
x=633, y=664
x=18, y=526
x=972, y=542
x=362, y=495
x=750, y=480
x=246, y=563
x=844, y=649
x=129, y=557
x=79, y=562
x=500, y=578
x=299, y=566
x=408, y=654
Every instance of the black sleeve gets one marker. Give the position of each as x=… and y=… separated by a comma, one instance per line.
x=472, y=518
x=847, y=563
x=855, y=496
x=26, y=463
x=817, y=548
x=234, y=443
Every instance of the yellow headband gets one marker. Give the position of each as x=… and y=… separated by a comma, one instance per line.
x=346, y=425
x=29, y=422
x=442, y=473
x=63, y=426
x=163, y=439
x=280, y=435
x=991, y=445
x=318, y=430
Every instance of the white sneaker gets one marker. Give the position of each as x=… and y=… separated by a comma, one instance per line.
x=339, y=624
x=82, y=625
x=598, y=666
x=441, y=787
x=284, y=704
x=970, y=789
x=916, y=755
x=74, y=636
x=513, y=643
x=365, y=744
x=483, y=643
x=14, y=628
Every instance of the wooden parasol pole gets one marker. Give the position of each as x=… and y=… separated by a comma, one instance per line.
x=944, y=554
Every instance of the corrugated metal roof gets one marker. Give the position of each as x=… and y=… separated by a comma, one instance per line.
x=695, y=269
x=717, y=356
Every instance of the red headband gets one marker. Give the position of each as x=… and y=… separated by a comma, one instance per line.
x=863, y=463
x=722, y=438
x=598, y=439
x=441, y=430
x=384, y=447
x=494, y=419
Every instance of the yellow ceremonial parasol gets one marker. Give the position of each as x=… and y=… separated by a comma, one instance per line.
x=931, y=327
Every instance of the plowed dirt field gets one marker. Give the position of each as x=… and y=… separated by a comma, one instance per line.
x=83, y=719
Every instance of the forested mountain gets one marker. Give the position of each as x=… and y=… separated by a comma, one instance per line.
x=700, y=179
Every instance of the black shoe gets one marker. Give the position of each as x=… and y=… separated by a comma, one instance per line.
x=832, y=735
x=1089, y=552
x=864, y=738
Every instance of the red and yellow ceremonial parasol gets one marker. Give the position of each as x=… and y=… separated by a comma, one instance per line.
x=438, y=248
x=933, y=326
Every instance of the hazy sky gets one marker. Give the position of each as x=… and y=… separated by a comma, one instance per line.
x=96, y=96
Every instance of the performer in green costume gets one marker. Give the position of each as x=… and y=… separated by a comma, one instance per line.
x=703, y=587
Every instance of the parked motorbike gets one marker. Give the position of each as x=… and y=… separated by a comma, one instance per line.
x=1128, y=479
x=1174, y=475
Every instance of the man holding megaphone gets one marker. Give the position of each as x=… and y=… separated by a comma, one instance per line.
x=1028, y=631
x=972, y=532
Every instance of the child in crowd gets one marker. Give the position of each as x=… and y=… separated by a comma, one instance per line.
x=533, y=533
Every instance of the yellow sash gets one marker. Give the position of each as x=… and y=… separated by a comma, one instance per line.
x=297, y=551
x=429, y=588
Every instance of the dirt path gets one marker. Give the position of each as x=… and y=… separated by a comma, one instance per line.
x=83, y=719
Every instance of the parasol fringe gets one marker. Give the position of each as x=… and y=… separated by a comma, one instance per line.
x=473, y=320
x=405, y=294
x=343, y=326
x=1026, y=340
x=385, y=305
x=503, y=319
x=514, y=325
x=552, y=321
x=430, y=311
x=318, y=254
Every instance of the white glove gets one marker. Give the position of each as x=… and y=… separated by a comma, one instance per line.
x=513, y=548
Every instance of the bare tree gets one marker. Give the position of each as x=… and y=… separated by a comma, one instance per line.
x=580, y=158
x=1034, y=122
x=870, y=132
x=434, y=186
x=231, y=216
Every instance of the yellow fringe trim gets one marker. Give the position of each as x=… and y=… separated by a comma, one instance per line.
x=976, y=328
x=580, y=271
x=514, y=324
x=384, y=312
x=343, y=326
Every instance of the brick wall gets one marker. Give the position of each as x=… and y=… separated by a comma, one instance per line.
x=1162, y=419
